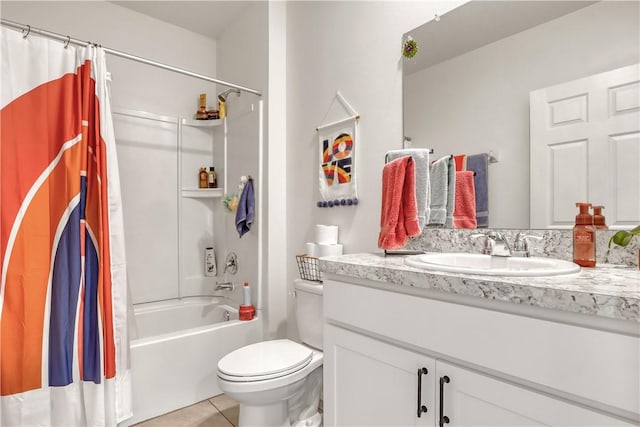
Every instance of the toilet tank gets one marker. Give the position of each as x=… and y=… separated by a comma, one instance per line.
x=308, y=306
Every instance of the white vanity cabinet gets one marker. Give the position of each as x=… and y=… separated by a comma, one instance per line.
x=470, y=398
x=374, y=383
x=503, y=369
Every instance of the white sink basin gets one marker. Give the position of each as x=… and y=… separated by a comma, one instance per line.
x=491, y=265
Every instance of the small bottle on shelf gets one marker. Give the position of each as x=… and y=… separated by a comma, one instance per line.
x=222, y=107
x=201, y=114
x=203, y=178
x=213, y=178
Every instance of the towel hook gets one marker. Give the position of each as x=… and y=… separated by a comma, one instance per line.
x=24, y=36
x=493, y=156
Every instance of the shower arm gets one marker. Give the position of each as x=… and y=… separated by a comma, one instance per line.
x=223, y=96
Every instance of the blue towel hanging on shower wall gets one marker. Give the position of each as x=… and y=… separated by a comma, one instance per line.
x=246, y=209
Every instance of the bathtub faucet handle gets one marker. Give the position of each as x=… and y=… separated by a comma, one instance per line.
x=231, y=263
x=224, y=286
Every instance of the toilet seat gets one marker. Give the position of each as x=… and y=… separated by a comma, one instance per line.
x=264, y=360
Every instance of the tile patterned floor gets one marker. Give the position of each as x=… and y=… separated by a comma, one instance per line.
x=219, y=411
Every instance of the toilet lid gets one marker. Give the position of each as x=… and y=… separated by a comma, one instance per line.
x=264, y=360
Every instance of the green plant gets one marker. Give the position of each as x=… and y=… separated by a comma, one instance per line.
x=623, y=238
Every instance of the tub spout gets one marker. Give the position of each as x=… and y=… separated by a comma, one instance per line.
x=224, y=286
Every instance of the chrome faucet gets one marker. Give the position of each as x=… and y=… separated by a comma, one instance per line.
x=224, y=286
x=495, y=244
x=521, y=244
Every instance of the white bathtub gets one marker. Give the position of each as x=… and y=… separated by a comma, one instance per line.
x=178, y=346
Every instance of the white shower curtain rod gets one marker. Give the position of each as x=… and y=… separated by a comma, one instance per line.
x=27, y=29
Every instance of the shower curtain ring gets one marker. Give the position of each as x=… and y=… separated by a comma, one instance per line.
x=67, y=42
x=24, y=36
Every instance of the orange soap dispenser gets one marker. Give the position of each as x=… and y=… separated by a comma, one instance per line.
x=584, y=237
x=598, y=219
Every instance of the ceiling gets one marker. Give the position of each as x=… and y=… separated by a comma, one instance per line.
x=478, y=23
x=208, y=18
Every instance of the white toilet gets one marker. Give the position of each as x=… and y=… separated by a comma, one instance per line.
x=278, y=383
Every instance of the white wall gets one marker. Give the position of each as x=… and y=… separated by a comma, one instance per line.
x=260, y=37
x=242, y=54
x=354, y=47
x=278, y=215
x=148, y=162
x=479, y=101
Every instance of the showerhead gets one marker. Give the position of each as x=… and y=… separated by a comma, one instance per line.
x=222, y=96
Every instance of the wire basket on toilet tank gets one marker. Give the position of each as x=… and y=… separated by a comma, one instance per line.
x=308, y=267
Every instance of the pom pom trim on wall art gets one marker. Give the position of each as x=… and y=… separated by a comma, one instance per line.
x=337, y=143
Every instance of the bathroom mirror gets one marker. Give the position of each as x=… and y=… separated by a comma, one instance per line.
x=466, y=91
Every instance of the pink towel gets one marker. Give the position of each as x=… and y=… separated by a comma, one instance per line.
x=461, y=162
x=464, y=213
x=399, y=213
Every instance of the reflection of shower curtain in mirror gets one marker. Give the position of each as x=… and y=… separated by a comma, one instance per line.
x=63, y=303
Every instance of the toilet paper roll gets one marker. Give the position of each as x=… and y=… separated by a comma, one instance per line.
x=311, y=249
x=329, y=250
x=327, y=234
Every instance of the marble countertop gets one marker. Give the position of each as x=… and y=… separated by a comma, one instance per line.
x=607, y=290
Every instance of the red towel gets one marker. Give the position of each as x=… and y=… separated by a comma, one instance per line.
x=461, y=162
x=464, y=212
x=399, y=213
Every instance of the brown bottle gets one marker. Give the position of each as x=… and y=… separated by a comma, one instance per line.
x=203, y=178
x=598, y=218
x=584, y=238
x=202, y=114
x=213, y=178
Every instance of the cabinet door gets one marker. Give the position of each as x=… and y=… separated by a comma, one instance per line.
x=371, y=383
x=474, y=399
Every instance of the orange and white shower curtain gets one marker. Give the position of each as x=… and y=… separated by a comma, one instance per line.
x=63, y=299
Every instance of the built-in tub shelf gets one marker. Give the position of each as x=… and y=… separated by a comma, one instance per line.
x=203, y=193
x=202, y=123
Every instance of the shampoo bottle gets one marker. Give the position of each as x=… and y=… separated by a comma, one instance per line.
x=246, y=311
x=222, y=107
x=201, y=114
x=213, y=177
x=203, y=178
x=210, y=262
x=584, y=238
